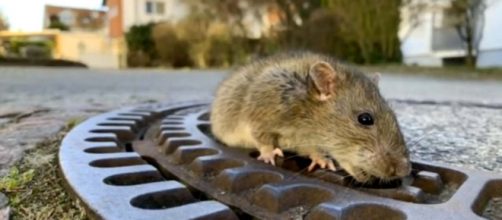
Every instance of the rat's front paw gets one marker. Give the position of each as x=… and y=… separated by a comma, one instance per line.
x=268, y=156
x=322, y=161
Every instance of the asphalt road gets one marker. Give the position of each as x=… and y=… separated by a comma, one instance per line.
x=82, y=88
x=452, y=121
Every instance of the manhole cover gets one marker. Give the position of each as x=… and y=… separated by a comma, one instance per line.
x=161, y=162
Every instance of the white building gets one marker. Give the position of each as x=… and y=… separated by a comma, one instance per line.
x=428, y=40
x=490, y=48
x=137, y=12
x=122, y=14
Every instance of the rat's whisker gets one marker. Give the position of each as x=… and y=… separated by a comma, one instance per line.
x=299, y=172
x=417, y=140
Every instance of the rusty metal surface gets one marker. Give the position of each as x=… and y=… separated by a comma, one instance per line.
x=160, y=162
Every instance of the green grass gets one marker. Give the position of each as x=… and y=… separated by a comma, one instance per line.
x=15, y=180
x=35, y=187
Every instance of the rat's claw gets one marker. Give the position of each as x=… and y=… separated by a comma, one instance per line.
x=269, y=156
x=323, y=162
x=278, y=152
x=331, y=165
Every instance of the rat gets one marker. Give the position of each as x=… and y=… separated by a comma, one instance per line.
x=316, y=106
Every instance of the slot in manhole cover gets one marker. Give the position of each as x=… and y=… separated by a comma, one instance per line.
x=160, y=162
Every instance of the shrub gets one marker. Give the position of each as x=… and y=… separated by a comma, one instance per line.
x=357, y=31
x=172, y=50
x=186, y=44
x=31, y=49
x=141, y=48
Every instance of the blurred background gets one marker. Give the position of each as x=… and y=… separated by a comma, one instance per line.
x=222, y=33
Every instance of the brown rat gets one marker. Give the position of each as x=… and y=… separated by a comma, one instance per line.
x=313, y=105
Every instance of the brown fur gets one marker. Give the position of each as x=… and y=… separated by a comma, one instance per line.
x=275, y=102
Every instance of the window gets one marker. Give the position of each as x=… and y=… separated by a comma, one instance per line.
x=154, y=7
x=149, y=7
x=159, y=7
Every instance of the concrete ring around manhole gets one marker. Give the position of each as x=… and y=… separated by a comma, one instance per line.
x=161, y=162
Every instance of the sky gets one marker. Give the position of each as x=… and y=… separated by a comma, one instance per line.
x=28, y=15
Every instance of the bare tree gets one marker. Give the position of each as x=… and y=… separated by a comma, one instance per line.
x=467, y=17
x=230, y=12
x=298, y=11
x=293, y=12
x=411, y=11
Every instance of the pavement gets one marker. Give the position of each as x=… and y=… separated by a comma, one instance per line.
x=458, y=122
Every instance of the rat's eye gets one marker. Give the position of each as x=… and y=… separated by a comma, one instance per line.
x=365, y=119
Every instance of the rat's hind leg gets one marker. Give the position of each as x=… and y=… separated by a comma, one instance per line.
x=322, y=161
x=265, y=144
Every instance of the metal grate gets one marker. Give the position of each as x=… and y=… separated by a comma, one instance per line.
x=161, y=162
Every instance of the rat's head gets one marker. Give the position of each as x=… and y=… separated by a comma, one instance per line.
x=357, y=126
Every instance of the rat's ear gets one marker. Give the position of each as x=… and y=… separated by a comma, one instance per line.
x=323, y=78
x=375, y=77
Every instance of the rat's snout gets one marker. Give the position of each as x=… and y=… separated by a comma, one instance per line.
x=402, y=168
x=395, y=168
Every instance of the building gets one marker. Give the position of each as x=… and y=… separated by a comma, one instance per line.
x=122, y=14
x=427, y=39
x=75, y=19
x=80, y=35
x=490, y=48
x=92, y=49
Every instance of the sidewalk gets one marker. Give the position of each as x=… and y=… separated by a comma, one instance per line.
x=448, y=116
